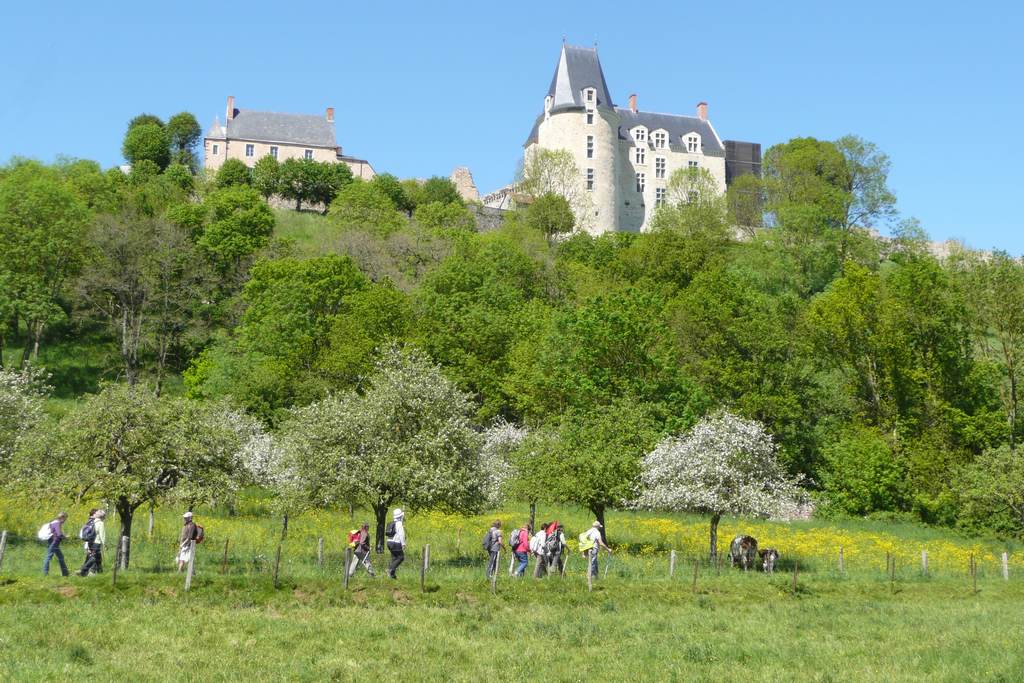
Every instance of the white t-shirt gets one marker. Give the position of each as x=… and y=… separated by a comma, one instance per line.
x=595, y=535
x=399, y=536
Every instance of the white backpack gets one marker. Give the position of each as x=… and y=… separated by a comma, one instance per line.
x=45, y=533
x=537, y=543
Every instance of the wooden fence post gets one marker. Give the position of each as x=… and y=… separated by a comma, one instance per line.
x=842, y=563
x=796, y=573
x=124, y=552
x=149, y=530
x=191, y=571
x=458, y=543
x=423, y=569
x=974, y=573
x=924, y=562
x=117, y=563
x=1005, y=558
x=696, y=566
x=284, y=526
x=590, y=572
x=320, y=553
x=426, y=560
x=348, y=561
x=3, y=546
x=671, y=564
x=892, y=577
x=224, y=562
x=277, y=565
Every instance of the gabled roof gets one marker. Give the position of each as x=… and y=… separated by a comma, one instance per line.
x=266, y=126
x=578, y=68
x=677, y=126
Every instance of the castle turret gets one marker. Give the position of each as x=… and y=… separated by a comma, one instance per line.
x=579, y=116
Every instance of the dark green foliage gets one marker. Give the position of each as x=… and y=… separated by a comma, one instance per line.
x=233, y=172
x=266, y=176
x=438, y=189
x=551, y=215
x=184, y=132
x=313, y=182
x=147, y=142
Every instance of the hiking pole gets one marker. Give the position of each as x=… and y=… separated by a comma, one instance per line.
x=608, y=564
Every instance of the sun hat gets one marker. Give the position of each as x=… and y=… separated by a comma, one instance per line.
x=187, y=515
x=596, y=525
x=398, y=513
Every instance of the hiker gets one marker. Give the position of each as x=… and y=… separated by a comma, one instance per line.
x=492, y=544
x=94, y=533
x=537, y=548
x=189, y=533
x=53, y=534
x=591, y=544
x=359, y=541
x=395, y=533
x=520, y=545
x=554, y=545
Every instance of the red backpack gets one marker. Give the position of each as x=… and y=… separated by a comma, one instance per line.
x=353, y=538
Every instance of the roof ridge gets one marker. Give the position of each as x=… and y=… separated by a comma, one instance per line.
x=278, y=113
x=660, y=113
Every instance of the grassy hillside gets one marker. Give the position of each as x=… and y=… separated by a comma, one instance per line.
x=638, y=624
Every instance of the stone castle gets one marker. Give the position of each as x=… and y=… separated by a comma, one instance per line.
x=625, y=155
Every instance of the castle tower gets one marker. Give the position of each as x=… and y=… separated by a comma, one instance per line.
x=579, y=116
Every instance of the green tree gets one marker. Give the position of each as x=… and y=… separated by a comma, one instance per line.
x=238, y=225
x=441, y=190
x=181, y=176
x=991, y=490
x=313, y=182
x=184, y=132
x=22, y=396
x=547, y=171
x=131, y=447
x=144, y=279
x=142, y=119
x=233, y=172
x=862, y=474
x=43, y=224
x=407, y=438
x=364, y=206
x=395, y=190
x=589, y=457
x=551, y=215
x=745, y=203
x=438, y=216
x=147, y=142
x=266, y=176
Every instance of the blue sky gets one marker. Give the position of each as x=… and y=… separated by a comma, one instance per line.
x=420, y=88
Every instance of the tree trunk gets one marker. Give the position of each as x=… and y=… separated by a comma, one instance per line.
x=533, y=514
x=284, y=526
x=714, y=535
x=380, y=511
x=598, y=511
x=125, y=511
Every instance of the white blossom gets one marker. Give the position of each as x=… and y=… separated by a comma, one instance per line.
x=22, y=393
x=500, y=440
x=724, y=465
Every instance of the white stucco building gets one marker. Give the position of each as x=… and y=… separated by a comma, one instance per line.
x=625, y=155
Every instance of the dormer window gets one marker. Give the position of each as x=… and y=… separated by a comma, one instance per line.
x=640, y=134
x=589, y=94
x=547, y=103
x=692, y=143
x=659, y=139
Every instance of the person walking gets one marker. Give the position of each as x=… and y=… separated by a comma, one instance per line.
x=596, y=542
x=538, y=548
x=188, y=534
x=53, y=545
x=556, y=558
x=521, y=548
x=94, y=548
x=492, y=544
x=396, y=542
x=361, y=551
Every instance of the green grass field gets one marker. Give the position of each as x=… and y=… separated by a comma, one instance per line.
x=637, y=624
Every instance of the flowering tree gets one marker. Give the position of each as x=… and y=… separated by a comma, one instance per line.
x=130, y=447
x=723, y=465
x=500, y=441
x=407, y=438
x=21, y=407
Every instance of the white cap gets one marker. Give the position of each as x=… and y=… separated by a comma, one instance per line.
x=187, y=515
x=398, y=514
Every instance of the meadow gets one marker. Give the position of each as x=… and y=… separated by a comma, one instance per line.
x=638, y=623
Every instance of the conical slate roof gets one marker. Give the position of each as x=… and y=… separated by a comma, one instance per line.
x=578, y=68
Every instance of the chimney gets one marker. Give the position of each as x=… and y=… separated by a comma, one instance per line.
x=632, y=103
x=702, y=111
x=231, y=108
x=330, y=114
